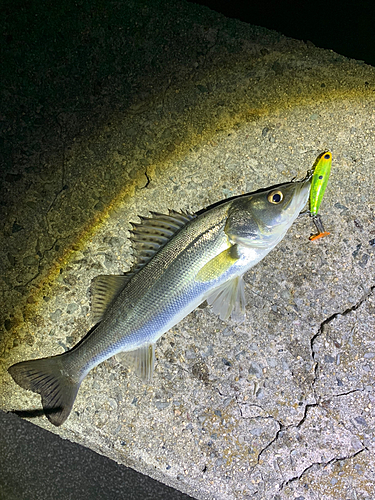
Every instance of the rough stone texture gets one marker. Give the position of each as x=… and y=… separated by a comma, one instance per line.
x=200, y=109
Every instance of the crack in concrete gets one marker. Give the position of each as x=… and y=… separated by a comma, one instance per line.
x=148, y=177
x=344, y=394
x=258, y=417
x=327, y=321
x=308, y=406
x=347, y=311
x=306, y=410
x=321, y=464
x=320, y=403
x=340, y=421
x=39, y=266
x=282, y=428
x=63, y=173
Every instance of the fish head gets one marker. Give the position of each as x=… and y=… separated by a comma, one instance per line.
x=261, y=219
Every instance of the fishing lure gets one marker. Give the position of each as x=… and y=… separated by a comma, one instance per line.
x=318, y=186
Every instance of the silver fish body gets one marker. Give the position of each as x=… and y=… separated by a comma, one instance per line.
x=182, y=261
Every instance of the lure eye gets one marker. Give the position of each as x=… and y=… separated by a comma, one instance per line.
x=275, y=197
x=327, y=156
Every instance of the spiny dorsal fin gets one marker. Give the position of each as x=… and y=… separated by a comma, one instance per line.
x=104, y=290
x=148, y=238
x=154, y=232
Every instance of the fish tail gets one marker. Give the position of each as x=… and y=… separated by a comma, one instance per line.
x=49, y=378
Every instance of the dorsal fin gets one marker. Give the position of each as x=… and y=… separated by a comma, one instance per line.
x=104, y=290
x=153, y=233
x=147, y=239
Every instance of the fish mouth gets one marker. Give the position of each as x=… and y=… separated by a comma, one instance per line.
x=272, y=234
x=304, y=192
x=300, y=197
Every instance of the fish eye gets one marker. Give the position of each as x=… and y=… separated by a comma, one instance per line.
x=327, y=156
x=275, y=197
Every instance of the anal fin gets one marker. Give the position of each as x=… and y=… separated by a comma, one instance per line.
x=142, y=361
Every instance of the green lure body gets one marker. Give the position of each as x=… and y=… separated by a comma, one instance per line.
x=318, y=186
x=319, y=181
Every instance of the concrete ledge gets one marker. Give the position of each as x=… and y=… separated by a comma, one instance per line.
x=178, y=107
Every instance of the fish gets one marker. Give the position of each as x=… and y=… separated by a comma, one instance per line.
x=182, y=260
x=318, y=186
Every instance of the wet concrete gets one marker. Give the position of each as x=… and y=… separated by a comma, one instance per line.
x=152, y=106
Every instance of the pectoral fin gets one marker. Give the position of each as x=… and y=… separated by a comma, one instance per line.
x=229, y=300
x=141, y=360
x=218, y=265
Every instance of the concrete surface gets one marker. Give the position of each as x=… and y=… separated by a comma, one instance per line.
x=200, y=109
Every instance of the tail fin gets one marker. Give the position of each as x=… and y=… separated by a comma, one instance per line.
x=47, y=377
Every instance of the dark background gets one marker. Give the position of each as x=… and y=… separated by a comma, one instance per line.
x=346, y=27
